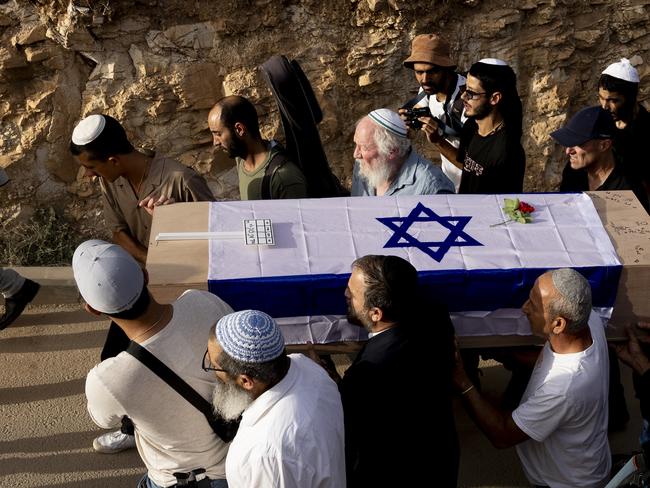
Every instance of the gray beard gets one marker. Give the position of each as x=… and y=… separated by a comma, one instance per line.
x=229, y=400
x=375, y=176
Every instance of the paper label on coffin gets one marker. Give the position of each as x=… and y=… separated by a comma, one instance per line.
x=461, y=260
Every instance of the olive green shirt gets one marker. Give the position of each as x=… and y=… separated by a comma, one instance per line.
x=287, y=181
x=167, y=177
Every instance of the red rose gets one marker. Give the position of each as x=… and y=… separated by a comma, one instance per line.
x=525, y=207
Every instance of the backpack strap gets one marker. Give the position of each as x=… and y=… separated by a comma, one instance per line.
x=224, y=429
x=414, y=101
x=277, y=160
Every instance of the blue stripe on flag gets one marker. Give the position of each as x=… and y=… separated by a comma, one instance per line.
x=461, y=290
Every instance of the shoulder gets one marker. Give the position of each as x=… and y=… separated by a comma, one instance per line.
x=431, y=177
x=170, y=166
x=287, y=168
x=203, y=298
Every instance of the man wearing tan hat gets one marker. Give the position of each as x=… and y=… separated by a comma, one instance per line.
x=440, y=91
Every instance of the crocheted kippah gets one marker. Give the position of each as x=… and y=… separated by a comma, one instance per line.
x=250, y=336
x=389, y=120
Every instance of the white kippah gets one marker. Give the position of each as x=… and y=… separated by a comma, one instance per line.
x=623, y=70
x=88, y=129
x=390, y=121
x=493, y=61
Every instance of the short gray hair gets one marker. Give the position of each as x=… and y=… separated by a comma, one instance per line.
x=573, y=299
x=387, y=141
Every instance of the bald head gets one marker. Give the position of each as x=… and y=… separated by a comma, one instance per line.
x=234, y=109
x=572, y=298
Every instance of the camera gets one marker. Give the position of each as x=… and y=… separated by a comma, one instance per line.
x=412, y=115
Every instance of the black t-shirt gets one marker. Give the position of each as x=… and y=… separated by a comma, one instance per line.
x=577, y=180
x=491, y=164
x=631, y=146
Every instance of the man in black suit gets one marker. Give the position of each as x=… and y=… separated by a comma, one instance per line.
x=391, y=431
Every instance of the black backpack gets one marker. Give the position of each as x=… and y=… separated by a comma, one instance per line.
x=300, y=114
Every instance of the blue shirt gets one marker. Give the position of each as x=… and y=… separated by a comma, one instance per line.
x=418, y=176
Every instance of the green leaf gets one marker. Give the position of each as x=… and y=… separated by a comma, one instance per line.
x=510, y=204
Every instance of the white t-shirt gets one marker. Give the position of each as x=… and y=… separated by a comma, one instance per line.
x=171, y=434
x=564, y=411
x=437, y=109
x=291, y=436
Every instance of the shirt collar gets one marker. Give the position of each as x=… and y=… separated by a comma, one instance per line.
x=406, y=175
x=263, y=403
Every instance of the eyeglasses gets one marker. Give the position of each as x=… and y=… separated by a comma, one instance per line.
x=471, y=95
x=207, y=365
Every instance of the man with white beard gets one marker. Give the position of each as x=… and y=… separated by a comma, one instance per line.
x=386, y=164
x=291, y=430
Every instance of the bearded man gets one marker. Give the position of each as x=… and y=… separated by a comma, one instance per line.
x=291, y=430
x=393, y=436
x=386, y=164
x=264, y=170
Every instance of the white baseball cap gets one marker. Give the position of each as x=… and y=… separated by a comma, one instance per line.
x=623, y=70
x=108, y=277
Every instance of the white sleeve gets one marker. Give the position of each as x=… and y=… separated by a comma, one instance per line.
x=103, y=408
x=541, y=414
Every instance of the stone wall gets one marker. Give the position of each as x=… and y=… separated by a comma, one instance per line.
x=159, y=65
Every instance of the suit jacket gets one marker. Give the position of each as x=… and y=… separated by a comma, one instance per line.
x=392, y=432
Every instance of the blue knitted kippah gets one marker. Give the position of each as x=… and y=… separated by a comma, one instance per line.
x=250, y=336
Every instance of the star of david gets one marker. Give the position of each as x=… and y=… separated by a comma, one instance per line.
x=401, y=238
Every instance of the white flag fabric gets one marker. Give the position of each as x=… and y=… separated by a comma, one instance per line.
x=480, y=271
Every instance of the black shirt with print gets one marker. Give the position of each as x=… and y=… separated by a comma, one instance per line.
x=491, y=164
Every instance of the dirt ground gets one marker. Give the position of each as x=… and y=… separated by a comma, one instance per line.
x=46, y=433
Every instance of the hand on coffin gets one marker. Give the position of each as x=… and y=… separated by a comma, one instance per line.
x=461, y=381
x=632, y=353
x=150, y=203
x=327, y=364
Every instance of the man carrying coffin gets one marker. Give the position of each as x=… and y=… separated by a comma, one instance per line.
x=560, y=425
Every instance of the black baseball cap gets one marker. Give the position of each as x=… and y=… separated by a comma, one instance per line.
x=590, y=123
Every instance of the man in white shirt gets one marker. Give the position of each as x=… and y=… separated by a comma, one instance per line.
x=291, y=430
x=560, y=426
x=173, y=438
x=440, y=90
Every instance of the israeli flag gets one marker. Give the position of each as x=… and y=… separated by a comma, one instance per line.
x=482, y=271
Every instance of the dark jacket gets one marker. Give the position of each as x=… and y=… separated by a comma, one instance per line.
x=397, y=403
